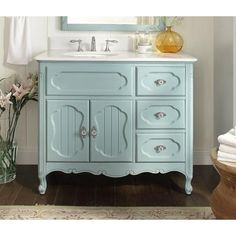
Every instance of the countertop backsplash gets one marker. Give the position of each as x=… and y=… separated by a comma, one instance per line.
x=125, y=42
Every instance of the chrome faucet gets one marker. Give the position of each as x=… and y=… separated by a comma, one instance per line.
x=107, y=49
x=93, y=44
x=79, y=44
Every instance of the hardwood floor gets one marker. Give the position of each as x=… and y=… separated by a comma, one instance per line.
x=89, y=190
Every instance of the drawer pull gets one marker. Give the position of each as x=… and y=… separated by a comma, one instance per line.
x=159, y=82
x=159, y=148
x=93, y=132
x=160, y=115
x=83, y=132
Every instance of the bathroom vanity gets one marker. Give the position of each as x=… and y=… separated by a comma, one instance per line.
x=115, y=115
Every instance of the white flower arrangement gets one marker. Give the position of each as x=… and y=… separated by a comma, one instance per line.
x=166, y=21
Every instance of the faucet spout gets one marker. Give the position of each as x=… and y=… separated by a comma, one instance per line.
x=93, y=44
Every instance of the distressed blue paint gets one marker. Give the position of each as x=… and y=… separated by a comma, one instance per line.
x=131, y=135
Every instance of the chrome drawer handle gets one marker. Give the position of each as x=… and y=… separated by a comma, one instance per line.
x=160, y=115
x=159, y=148
x=159, y=82
x=83, y=132
x=93, y=132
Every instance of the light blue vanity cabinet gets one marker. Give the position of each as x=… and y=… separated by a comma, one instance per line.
x=115, y=117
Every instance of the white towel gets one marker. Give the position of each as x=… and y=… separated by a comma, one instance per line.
x=19, y=50
x=219, y=158
x=223, y=156
x=227, y=149
x=228, y=138
x=231, y=131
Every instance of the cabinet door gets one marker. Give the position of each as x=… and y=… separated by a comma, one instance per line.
x=67, y=125
x=111, y=131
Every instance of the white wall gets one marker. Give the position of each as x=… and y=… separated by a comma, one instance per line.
x=198, y=36
x=27, y=130
x=223, y=74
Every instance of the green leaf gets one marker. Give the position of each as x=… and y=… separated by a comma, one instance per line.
x=3, y=108
x=34, y=99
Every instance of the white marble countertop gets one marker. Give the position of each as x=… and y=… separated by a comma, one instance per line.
x=57, y=55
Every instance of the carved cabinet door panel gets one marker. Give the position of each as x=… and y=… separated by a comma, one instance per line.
x=67, y=130
x=111, y=131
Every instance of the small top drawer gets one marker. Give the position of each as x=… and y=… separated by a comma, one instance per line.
x=76, y=78
x=161, y=80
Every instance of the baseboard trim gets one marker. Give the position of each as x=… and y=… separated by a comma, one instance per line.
x=26, y=156
x=201, y=157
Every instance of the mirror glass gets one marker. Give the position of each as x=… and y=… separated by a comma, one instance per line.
x=114, y=23
x=126, y=20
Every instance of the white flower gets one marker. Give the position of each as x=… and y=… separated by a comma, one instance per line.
x=19, y=91
x=4, y=100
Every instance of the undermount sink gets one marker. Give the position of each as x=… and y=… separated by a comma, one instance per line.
x=90, y=54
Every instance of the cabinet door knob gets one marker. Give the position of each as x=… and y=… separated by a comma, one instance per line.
x=83, y=132
x=159, y=82
x=159, y=148
x=93, y=132
x=160, y=115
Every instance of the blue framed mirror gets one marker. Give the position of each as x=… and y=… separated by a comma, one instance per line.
x=128, y=24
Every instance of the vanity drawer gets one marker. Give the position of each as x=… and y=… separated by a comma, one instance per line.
x=161, y=114
x=161, y=147
x=76, y=78
x=161, y=80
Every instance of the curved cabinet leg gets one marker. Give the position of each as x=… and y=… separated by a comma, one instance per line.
x=188, y=185
x=42, y=184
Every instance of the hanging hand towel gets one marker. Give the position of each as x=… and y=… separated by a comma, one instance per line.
x=19, y=50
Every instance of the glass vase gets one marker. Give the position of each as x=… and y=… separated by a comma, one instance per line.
x=7, y=163
x=169, y=41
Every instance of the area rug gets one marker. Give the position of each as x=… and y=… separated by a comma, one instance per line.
x=49, y=212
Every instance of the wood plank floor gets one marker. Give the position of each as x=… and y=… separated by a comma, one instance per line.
x=89, y=190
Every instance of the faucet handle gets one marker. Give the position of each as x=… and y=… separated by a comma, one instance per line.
x=75, y=40
x=79, y=44
x=107, y=49
x=93, y=44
